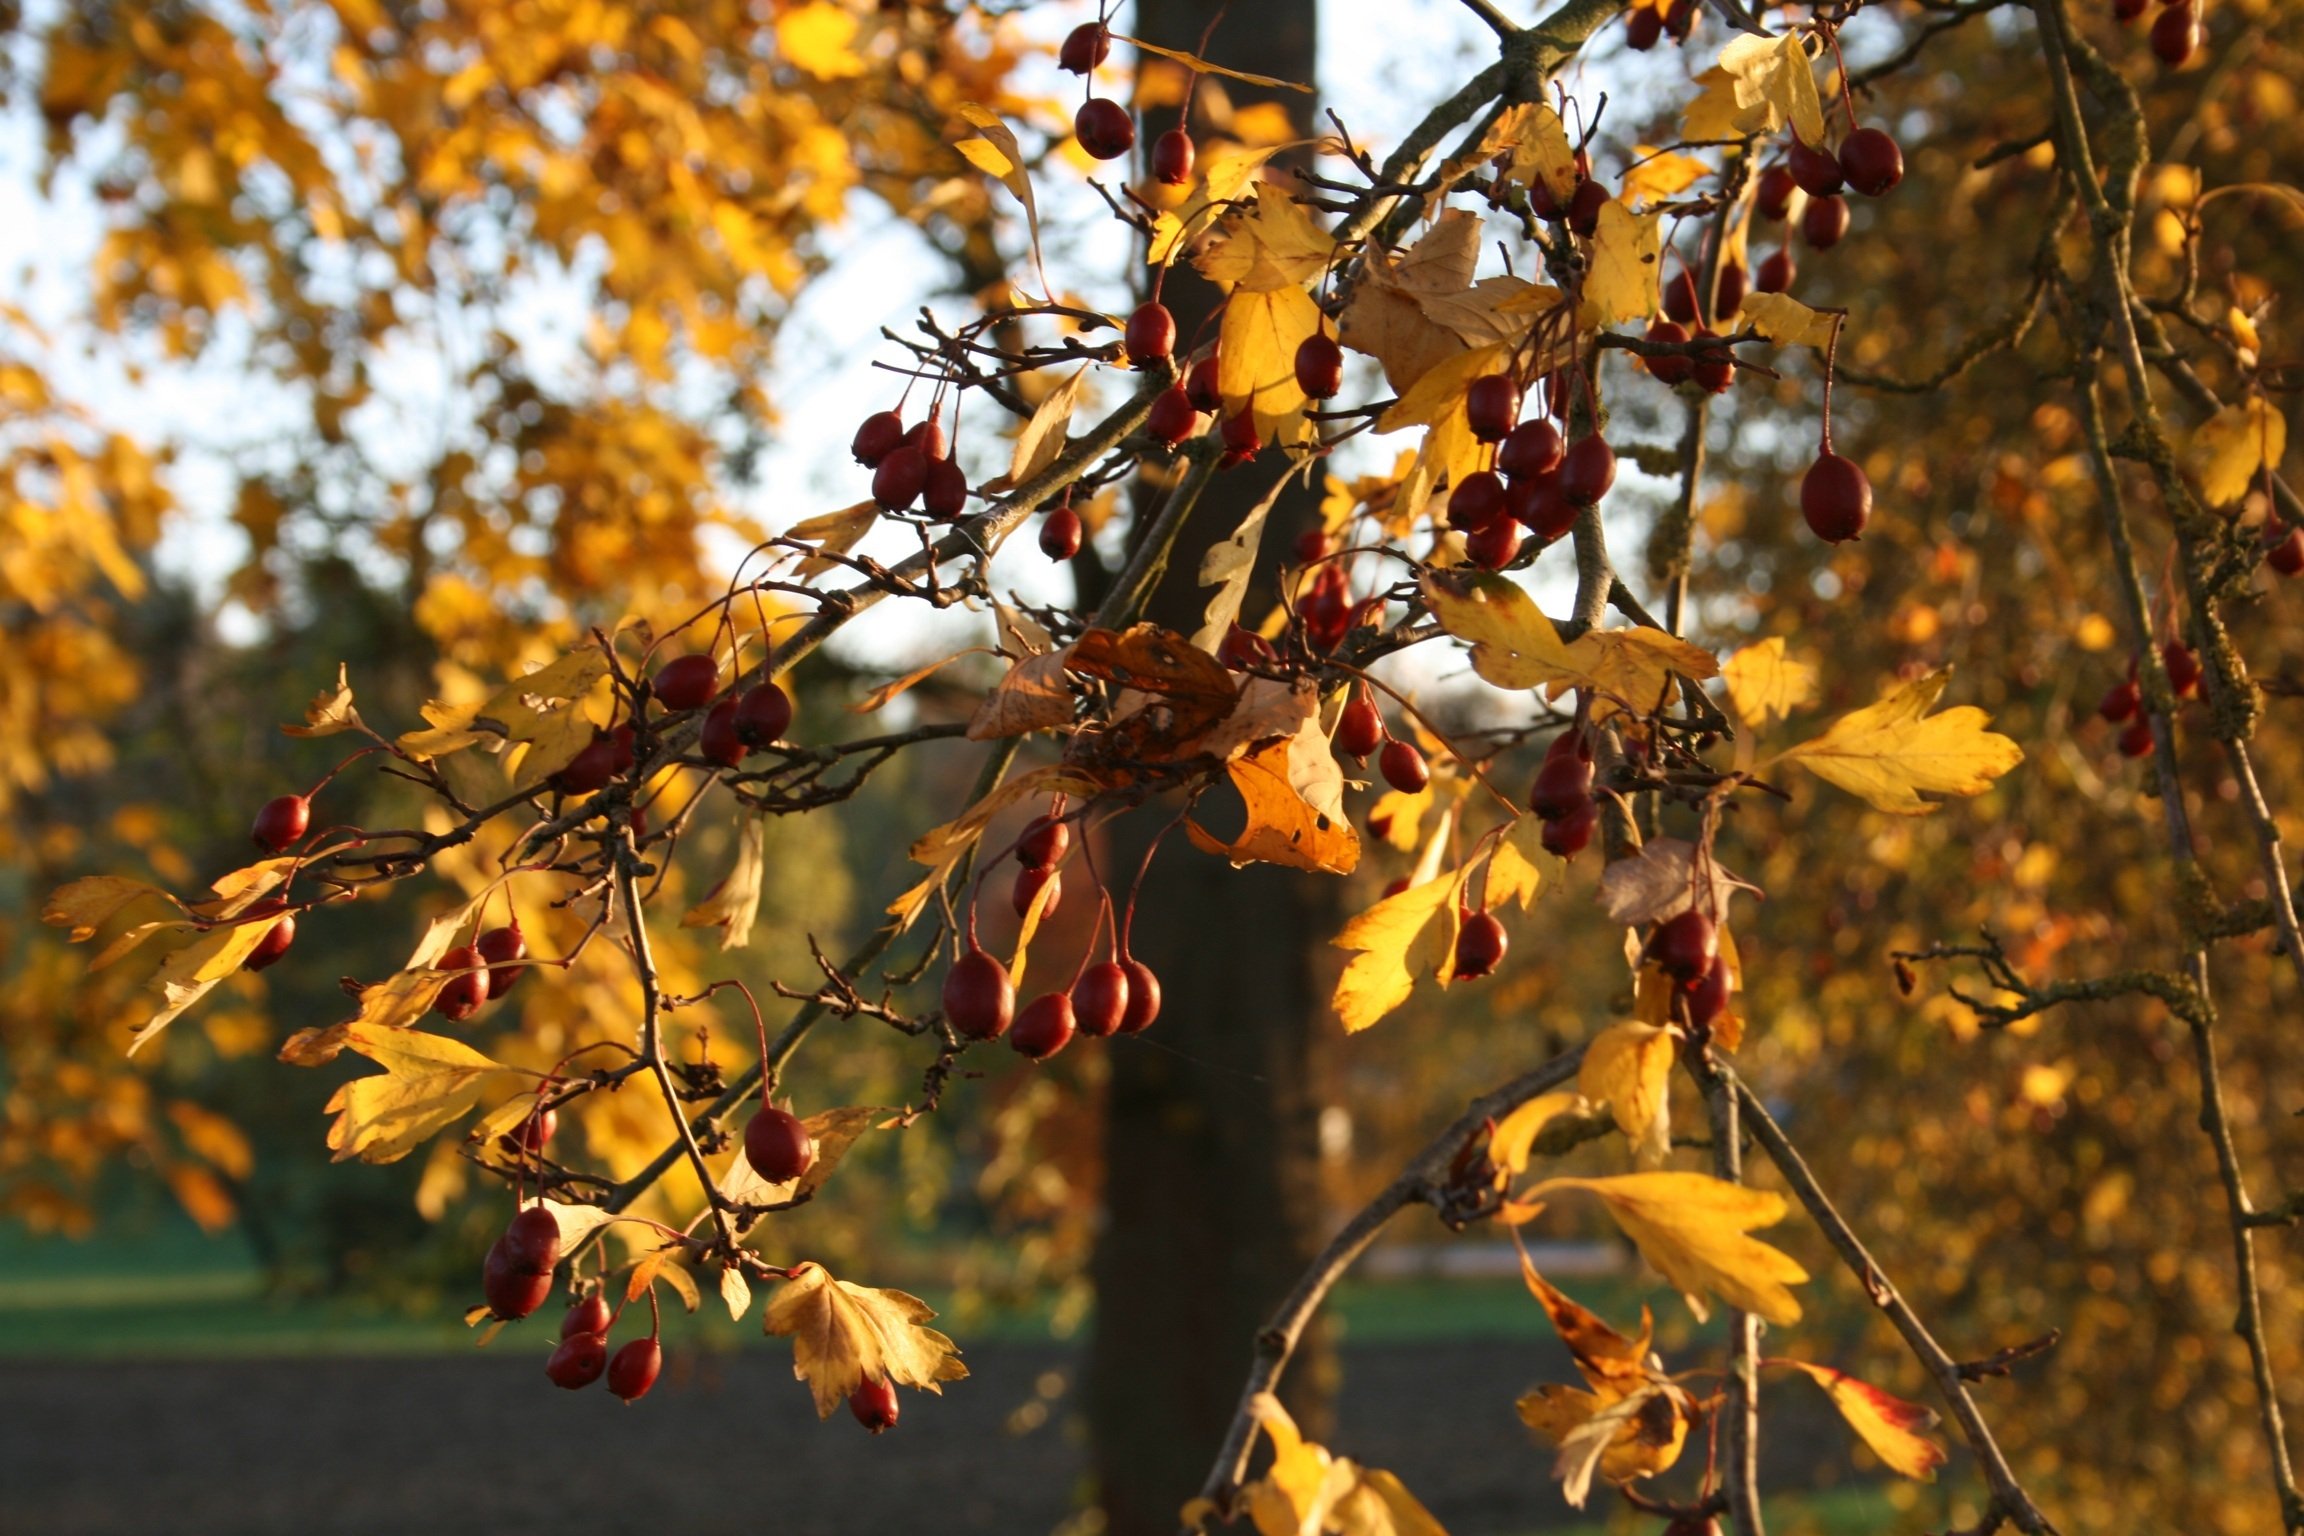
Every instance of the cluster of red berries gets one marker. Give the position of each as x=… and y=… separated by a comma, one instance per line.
x=911, y=464
x=1651, y=24
x=1562, y=795
x=1684, y=320
x=1325, y=607
x=581, y=1357
x=1687, y=949
x=2124, y=702
x=2175, y=31
x=1118, y=996
x=1538, y=481
x=1360, y=730
x=1103, y=126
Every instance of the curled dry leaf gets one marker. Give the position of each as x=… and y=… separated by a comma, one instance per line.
x=843, y=1335
x=1664, y=880
x=1034, y=695
x=330, y=712
x=733, y=905
x=1890, y=1425
x=1280, y=786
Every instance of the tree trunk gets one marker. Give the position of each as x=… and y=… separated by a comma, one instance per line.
x=1212, y=1203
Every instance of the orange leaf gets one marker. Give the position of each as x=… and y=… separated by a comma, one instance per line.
x=1888, y=1424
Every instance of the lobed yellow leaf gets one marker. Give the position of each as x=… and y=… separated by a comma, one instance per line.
x=1269, y=245
x=1284, y=826
x=1256, y=358
x=1773, y=73
x=1395, y=941
x=429, y=1082
x=1765, y=683
x=1622, y=279
x=1515, y=646
x=843, y=1335
x=2232, y=448
x=1890, y=752
x=88, y=904
x=1628, y=1067
x=1693, y=1228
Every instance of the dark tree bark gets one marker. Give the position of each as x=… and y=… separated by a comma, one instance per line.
x=1212, y=1203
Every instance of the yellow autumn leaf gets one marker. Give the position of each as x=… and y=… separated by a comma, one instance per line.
x=1765, y=684
x=1041, y=442
x=1665, y=173
x=1225, y=175
x=187, y=975
x=1395, y=941
x=819, y=38
x=993, y=149
x=1694, y=1228
x=1788, y=322
x=1774, y=73
x=1538, y=140
x=1716, y=114
x=1515, y=646
x=1891, y=1426
x=1628, y=1067
x=1890, y=752
x=1449, y=451
x=1514, y=1138
x=330, y=711
x=1284, y=826
x=843, y=1335
x=429, y=1082
x=2234, y=447
x=1270, y=245
x=1256, y=358
x=832, y=533
x=87, y=905
x=1517, y=864
x=734, y=904
x=1621, y=282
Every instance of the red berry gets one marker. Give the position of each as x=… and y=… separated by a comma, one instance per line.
x=2176, y=34
x=900, y=478
x=1835, y=498
x=1319, y=366
x=687, y=682
x=1773, y=198
x=1201, y=386
x=1060, y=533
x=1540, y=506
x=778, y=1145
x=532, y=1135
x=1680, y=20
x=877, y=438
x=591, y=1315
x=1360, y=729
x=1680, y=297
x=978, y=998
x=1672, y=367
x=1492, y=546
x=1563, y=786
x=276, y=938
x=1044, y=1027
x=1871, y=161
x=1100, y=999
x=1104, y=128
x=1714, y=367
x=511, y=1291
x=1816, y=171
x=1240, y=439
x=633, y=1369
x=874, y=1404
x=281, y=822
x=1584, y=208
x=1143, y=997
x=1480, y=945
x=498, y=948
x=1684, y=947
x=1403, y=766
x=461, y=995
x=1044, y=843
x=1643, y=29
x=1587, y=470
x=1776, y=272
x=1151, y=334
x=928, y=437
x=1478, y=502
x=1728, y=293
x=1173, y=417
x=531, y=1240
x=1244, y=649
x=2120, y=701
x=1172, y=157
x=1492, y=405
x=1707, y=996
x=1531, y=448
x=1572, y=833
x=2128, y=10
x=578, y=1361
x=1311, y=545
x=1824, y=222
x=2136, y=740
x=1085, y=46
x=2286, y=553
x=590, y=769
x=2183, y=668
x=763, y=715
x=944, y=494
x=1393, y=887
x=718, y=742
